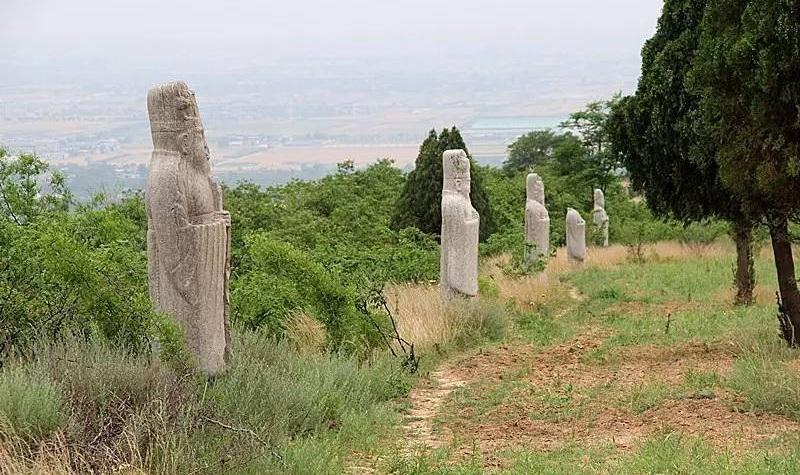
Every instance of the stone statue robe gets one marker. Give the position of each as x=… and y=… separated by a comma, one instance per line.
x=459, y=258
x=576, y=236
x=537, y=226
x=188, y=243
x=600, y=217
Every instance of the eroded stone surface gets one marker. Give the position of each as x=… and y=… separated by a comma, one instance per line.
x=537, y=219
x=460, y=227
x=576, y=236
x=600, y=217
x=188, y=236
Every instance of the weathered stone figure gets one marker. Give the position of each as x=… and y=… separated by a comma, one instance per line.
x=576, y=236
x=188, y=235
x=600, y=216
x=537, y=220
x=460, y=223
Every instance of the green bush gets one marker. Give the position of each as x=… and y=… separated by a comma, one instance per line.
x=31, y=406
x=274, y=411
x=276, y=281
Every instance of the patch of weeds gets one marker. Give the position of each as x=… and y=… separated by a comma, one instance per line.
x=541, y=328
x=673, y=452
x=769, y=380
x=556, y=405
x=610, y=293
x=31, y=406
x=487, y=287
x=483, y=397
x=477, y=322
x=427, y=462
x=648, y=395
x=568, y=459
x=701, y=384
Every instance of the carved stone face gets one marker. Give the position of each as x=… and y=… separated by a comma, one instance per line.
x=535, y=188
x=599, y=198
x=195, y=148
x=462, y=187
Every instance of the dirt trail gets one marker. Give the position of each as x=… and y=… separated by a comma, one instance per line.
x=425, y=404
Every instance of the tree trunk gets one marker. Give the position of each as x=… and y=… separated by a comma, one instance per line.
x=789, y=305
x=745, y=270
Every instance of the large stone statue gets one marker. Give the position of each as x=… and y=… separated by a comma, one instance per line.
x=600, y=216
x=188, y=235
x=576, y=236
x=460, y=223
x=537, y=220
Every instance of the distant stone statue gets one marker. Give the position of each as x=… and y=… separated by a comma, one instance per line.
x=600, y=216
x=537, y=220
x=188, y=235
x=576, y=236
x=460, y=223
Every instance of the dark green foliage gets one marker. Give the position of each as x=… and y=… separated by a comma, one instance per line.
x=62, y=271
x=593, y=163
x=533, y=149
x=276, y=281
x=748, y=75
x=341, y=221
x=419, y=204
x=21, y=180
x=655, y=133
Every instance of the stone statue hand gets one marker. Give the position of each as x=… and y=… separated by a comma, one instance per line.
x=224, y=216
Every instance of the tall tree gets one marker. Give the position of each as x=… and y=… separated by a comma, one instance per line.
x=419, y=204
x=531, y=149
x=596, y=164
x=747, y=72
x=656, y=135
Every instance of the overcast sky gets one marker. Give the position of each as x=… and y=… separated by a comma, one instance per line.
x=135, y=30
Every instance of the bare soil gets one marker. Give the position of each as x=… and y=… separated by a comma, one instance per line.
x=591, y=409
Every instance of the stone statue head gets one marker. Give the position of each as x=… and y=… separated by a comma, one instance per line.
x=535, y=188
x=574, y=218
x=175, y=122
x=455, y=165
x=599, y=198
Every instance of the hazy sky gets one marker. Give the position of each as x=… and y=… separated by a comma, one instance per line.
x=242, y=30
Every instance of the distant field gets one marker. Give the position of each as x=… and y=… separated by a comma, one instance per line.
x=284, y=158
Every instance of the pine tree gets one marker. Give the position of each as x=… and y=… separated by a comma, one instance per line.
x=419, y=204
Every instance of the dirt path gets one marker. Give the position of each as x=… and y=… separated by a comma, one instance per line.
x=425, y=404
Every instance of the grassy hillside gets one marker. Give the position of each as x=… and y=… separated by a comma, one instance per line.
x=621, y=366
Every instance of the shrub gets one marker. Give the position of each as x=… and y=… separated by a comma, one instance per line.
x=277, y=281
x=31, y=406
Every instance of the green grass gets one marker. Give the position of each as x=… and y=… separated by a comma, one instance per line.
x=31, y=406
x=768, y=381
x=635, y=307
x=274, y=411
x=647, y=396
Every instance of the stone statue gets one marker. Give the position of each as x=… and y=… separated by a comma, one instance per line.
x=188, y=232
x=600, y=216
x=460, y=226
x=537, y=220
x=576, y=236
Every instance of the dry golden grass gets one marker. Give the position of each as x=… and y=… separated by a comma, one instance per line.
x=57, y=457
x=420, y=314
x=424, y=319
x=17, y=459
x=546, y=286
x=305, y=334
